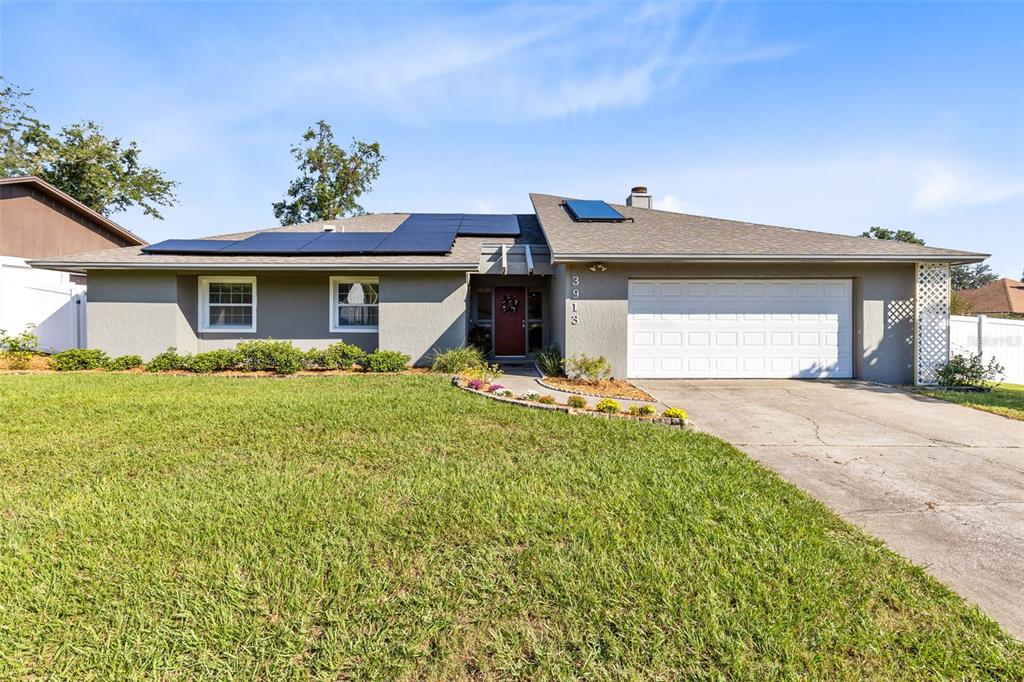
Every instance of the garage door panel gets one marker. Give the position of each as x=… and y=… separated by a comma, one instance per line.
x=740, y=328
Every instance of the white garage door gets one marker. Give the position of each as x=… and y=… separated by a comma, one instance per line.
x=723, y=328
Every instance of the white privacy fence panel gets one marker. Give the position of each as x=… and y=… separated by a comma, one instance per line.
x=993, y=337
x=45, y=298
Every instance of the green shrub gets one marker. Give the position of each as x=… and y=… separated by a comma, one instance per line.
x=546, y=400
x=608, y=406
x=211, y=361
x=18, y=349
x=343, y=355
x=77, y=359
x=675, y=413
x=550, y=361
x=123, y=362
x=582, y=367
x=969, y=370
x=577, y=401
x=314, y=358
x=642, y=410
x=386, y=361
x=168, y=361
x=268, y=355
x=455, y=360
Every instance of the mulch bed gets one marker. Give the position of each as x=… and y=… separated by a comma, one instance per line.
x=608, y=388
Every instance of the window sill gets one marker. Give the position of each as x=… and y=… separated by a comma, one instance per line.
x=228, y=330
x=361, y=330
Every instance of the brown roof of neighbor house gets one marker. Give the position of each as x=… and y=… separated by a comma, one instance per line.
x=1002, y=296
x=465, y=254
x=75, y=205
x=649, y=234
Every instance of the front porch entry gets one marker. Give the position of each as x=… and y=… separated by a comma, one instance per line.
x=509, y=315
x=509, y=321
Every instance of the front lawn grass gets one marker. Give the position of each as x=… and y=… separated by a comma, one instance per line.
x=396, y=528
x=1005, y=399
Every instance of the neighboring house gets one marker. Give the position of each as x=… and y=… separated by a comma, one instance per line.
x=37, y=220
x=1002, y=297
x=659, y=294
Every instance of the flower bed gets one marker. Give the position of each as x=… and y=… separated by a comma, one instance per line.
x=605, y=388
x=577, y=404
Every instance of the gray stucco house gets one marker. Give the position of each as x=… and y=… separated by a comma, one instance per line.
x=659, y=294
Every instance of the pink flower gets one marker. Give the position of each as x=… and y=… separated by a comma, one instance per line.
x=475, y=384
x=495, y=387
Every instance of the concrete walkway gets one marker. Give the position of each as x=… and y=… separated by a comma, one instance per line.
x=940, y=483
x=523, y=378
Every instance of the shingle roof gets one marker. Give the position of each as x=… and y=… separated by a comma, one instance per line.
x=465, y=254
x=648, y=234
x=1002, y=296
x=654, y=234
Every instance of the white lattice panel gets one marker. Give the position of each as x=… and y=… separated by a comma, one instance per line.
x=931, y=326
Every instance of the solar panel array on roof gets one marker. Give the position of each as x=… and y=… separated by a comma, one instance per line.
x=186, y=246
x=592, y=210
x=489, y=226
x=269, y=243
x=420, y=233
x=345, y=243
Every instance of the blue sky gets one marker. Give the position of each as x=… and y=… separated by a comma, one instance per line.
x=821, y=116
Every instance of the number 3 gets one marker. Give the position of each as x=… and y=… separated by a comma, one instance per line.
x=575, y=280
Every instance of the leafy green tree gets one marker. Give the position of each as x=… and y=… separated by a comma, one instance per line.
x=331, y=179
x=907, y=236
x=104, y=173
x=972, y=276
x=17, y=125
x=961, y=276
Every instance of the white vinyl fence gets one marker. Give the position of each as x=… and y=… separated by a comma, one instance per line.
x=45, y=298
x=992, y=337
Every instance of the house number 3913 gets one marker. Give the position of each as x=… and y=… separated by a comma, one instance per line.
x=574, y=315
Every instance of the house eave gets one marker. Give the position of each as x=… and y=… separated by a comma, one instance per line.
x=761, y=258
x=234, y=267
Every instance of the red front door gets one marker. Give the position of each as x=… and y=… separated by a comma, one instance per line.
x=509, y=321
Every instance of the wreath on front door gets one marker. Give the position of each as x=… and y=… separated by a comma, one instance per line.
x=509, y=304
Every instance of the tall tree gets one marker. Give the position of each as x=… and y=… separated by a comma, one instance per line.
x=105, y=174
x=961, y=276
x=877, y=232
x=18, y=125
x=972, y=276
x=330, y=179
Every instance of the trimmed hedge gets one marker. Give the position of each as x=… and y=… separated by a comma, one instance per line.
x=77, y=359
x=123, y=362
x=168, y=361
x=343, y=355
x=211, y=361
x=268, y=355
x=386, y=361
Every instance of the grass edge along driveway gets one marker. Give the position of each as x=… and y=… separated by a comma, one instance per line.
x=1006, y=400
x=394, y=527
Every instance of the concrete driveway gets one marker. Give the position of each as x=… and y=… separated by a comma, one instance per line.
x=941, y=484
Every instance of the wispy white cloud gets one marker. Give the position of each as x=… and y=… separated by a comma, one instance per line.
x=945, y=185
x=942, y=199
x=526, y=62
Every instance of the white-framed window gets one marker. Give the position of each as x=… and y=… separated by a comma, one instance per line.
x=354, y=304
x=227, y=304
